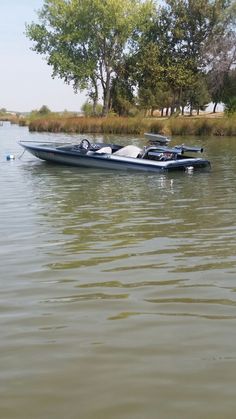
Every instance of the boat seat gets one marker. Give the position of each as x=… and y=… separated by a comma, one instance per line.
x=128, y=151
x=106, y=150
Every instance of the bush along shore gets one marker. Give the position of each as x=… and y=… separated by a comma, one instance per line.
x=224, y=126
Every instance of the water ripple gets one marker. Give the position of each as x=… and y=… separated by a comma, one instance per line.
x=117, y=287
x=85, y=297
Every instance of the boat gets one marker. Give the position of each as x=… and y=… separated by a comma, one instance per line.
x=155, y=157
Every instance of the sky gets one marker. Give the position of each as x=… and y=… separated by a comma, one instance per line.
x=25, y=78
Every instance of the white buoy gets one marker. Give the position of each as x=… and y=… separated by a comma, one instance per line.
x=10, y=157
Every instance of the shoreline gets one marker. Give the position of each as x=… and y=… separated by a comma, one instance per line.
x=196, y=125
x=205, y=124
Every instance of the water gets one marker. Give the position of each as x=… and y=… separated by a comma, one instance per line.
x=117, y=290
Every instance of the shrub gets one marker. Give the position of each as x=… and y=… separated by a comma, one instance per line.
x=230, y=106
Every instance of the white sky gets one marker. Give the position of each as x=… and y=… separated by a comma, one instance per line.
x=25, y=77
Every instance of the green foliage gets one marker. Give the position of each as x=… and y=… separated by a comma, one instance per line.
x=88, y=109
x=122, y=98
x=181, y=35
x=229, y=92
x=84, y=40
x=127, y=47
x=184, y=27
x=44, y=110
x=198, y=94
x=230, y=106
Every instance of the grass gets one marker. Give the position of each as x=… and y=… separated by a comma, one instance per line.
x=224, y=126
x=82, y=125
x=13, y=119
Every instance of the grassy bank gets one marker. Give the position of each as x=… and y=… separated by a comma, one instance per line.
x=13, y=119
x=223, y=126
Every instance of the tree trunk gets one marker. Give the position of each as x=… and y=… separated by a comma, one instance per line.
x=106, y=93
x=215, y=106
x=93, y=95
x=106, y=100
x=95, y=99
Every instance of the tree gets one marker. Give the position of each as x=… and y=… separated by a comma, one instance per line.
x=223, y=58
x=230, y=106
x=161, y=78
x=84, y=40
x=198, y=95
x=183, y=31
x=229, y=92
x=122, y=98
x=186, y=27
x=88, y=109
x=147, y=74
x=44, y=110
x=221, y=55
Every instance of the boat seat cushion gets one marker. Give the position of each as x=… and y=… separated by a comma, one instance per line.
x=128, y=151
x=107, y=150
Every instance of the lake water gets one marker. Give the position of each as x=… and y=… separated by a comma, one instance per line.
x=118, y=290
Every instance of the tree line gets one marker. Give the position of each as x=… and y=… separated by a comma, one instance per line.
x=140, y=54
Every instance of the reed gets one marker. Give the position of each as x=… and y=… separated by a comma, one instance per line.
x=181, y=126
x=225, y=126
x=204, y=127
x=82, y=125
x=13, y=119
